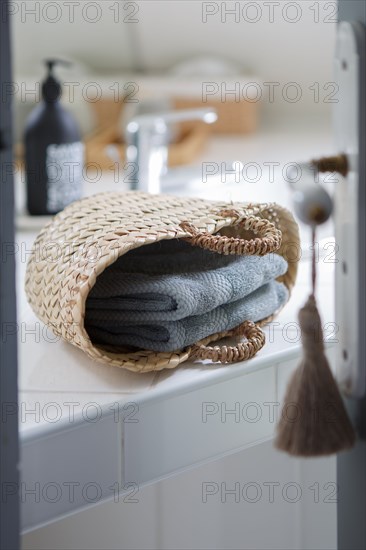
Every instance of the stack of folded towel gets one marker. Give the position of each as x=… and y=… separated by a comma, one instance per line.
x=166, y=296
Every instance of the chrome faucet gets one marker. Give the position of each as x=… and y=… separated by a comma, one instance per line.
x=147, y=144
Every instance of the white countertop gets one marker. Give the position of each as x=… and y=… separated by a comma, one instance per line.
x=52, y=371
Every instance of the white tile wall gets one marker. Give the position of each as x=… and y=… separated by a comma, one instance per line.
x=173, y=515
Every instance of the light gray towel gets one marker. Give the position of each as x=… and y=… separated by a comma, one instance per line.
x=168, y=295
x=166, y=336
x=208, y=281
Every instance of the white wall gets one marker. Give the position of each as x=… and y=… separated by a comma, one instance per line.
x=271, y=47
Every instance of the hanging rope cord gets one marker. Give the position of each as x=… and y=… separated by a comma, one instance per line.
x=313, y=262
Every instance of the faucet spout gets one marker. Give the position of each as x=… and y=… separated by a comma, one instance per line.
x=147, y=144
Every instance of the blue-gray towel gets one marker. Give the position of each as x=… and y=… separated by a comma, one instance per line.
x=208, y=281
x=166, y=336
x=168, y=295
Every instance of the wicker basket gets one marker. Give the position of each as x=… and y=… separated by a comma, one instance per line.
x=89, y=235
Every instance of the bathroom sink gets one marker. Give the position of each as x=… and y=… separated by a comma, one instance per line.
x=189, y=181
x=184, y=181
x=222, y=185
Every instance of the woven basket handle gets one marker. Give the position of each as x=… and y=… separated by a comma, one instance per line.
x=269, y=237
x=229, y=354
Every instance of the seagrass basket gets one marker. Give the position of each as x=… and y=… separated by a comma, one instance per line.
x=80, y=242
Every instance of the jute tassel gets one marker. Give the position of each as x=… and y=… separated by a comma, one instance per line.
x=314, y=421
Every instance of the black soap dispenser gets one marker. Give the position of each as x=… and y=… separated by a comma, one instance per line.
x=54, y=153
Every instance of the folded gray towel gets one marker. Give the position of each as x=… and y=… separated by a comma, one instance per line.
x=169, y=256
x=166, y=336
x=208, y=281
x=168, y=295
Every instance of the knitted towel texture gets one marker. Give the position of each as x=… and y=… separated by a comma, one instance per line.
x=169, y=295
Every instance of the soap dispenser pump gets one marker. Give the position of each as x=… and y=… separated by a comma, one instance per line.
x=54, y=153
